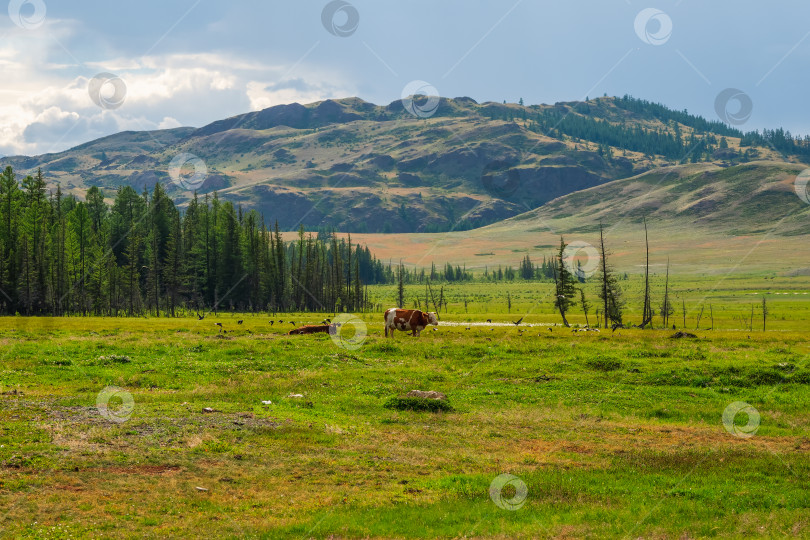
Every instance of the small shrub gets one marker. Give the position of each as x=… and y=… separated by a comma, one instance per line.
x=766, y=377
x=58, y=362
x=385, y=347
x=787, y=367
x=604, y=364
x=417, y=404
x=114, y=359
x=802, y=377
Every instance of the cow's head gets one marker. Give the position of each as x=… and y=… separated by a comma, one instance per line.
x=433, y=318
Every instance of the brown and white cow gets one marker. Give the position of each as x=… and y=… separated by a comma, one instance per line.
x=408, y=320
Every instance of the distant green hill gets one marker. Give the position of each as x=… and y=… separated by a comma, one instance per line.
x=704, y=217
x=360, y=167
x=749, y=199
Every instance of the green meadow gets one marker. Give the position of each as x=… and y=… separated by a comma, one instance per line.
x=251, y=433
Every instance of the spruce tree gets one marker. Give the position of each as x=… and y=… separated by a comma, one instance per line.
x=565, y=285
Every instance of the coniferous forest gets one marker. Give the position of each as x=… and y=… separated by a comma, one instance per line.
x=670, y=143
x=143, y=255
x=60, y=256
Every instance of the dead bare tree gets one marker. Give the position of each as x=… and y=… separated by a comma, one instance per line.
x=434, y=300
x=441, y=300
x=751, y=320
x=427, y=303
x=764, y=313
x=666, y=306
x=609, y=292
x=647, y=312
x=585, y=307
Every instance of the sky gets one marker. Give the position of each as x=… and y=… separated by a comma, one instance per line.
x=75, y=70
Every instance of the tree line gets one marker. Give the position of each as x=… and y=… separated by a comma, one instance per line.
x=60, y=255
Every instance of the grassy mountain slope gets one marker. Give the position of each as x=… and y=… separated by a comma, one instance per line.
x=705, y=218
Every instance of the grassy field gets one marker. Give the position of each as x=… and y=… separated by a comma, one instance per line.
x=729, y=299
x=606, y=434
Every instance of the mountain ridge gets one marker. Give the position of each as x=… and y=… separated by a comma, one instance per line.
x=351, y=165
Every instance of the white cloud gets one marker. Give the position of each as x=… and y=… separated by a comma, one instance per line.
x=268, y=94
x=48, y=107
x=169, y=123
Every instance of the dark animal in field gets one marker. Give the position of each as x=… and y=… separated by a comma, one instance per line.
x=680, y=335
x=408, y=320
x=272, y=323
x=489, y=320
x=313, y=329
x=520, y=320
x=239, y=322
